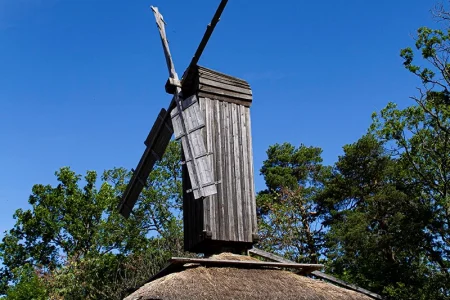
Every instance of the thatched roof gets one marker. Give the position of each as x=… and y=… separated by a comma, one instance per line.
x=198, y=282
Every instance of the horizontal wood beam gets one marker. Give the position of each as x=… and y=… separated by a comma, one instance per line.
x=244, y=263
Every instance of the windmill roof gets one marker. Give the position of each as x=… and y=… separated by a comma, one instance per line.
x=215, y=85
x=199, y=282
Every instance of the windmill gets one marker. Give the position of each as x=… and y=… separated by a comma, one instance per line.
x=209, y=114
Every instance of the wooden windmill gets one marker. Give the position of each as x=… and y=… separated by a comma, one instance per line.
x=209, y=113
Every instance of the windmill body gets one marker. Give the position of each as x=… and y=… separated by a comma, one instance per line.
x=210, y=115
x=226, y=220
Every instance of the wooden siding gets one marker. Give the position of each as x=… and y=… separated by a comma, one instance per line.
x=230, y=215
x=192, y=213
x=207, y=83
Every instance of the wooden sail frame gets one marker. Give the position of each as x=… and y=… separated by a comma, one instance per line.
x=158, y=131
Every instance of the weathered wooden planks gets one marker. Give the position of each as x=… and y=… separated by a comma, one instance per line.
x=207, y=83
x=251, y=184
x=205, y=71
x=192, y=213
x=188, y=125
x=226, y=86
x=229, y=215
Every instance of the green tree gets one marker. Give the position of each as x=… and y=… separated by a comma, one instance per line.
x=376, y=224
x=288, y=220
x=28, y=285
x=74, y=235
x=419, y=136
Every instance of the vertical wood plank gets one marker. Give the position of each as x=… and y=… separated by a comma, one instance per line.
x=218, y=165
x=186, y=217
x=212, y=147
x=189, y=221
x=237, y=174
x=205, y=214
x=200, y=218
x=244, y=171
x=232, y=186
x=230, y=173
x=252, y=172
x=211, y=200
x=223, y=169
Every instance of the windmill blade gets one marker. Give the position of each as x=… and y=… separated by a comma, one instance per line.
x=188, y=121
x=162, y=32
x=198, y=161
x=156, y=142
x=170, y=85
x=209, y=30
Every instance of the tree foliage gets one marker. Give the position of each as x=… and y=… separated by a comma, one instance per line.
x=419, y=136
x=74, y=236
x=385, y=208
x=288, y=220
x=376, y=223
x=29, y=285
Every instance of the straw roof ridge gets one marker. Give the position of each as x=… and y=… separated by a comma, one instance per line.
x=217, y=283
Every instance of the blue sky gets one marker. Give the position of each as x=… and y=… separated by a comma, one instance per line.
x=81, y=82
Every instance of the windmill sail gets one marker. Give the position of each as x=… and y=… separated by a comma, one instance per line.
x=156, y=142
x=188, y=129
x=188, y=124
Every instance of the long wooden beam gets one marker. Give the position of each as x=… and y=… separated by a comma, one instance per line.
x=208, y=33
x=246, y=263
x=201, y=47
x=156, y=142
x=176, y=264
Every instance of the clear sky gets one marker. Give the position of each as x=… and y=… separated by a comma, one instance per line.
x=81, y=82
